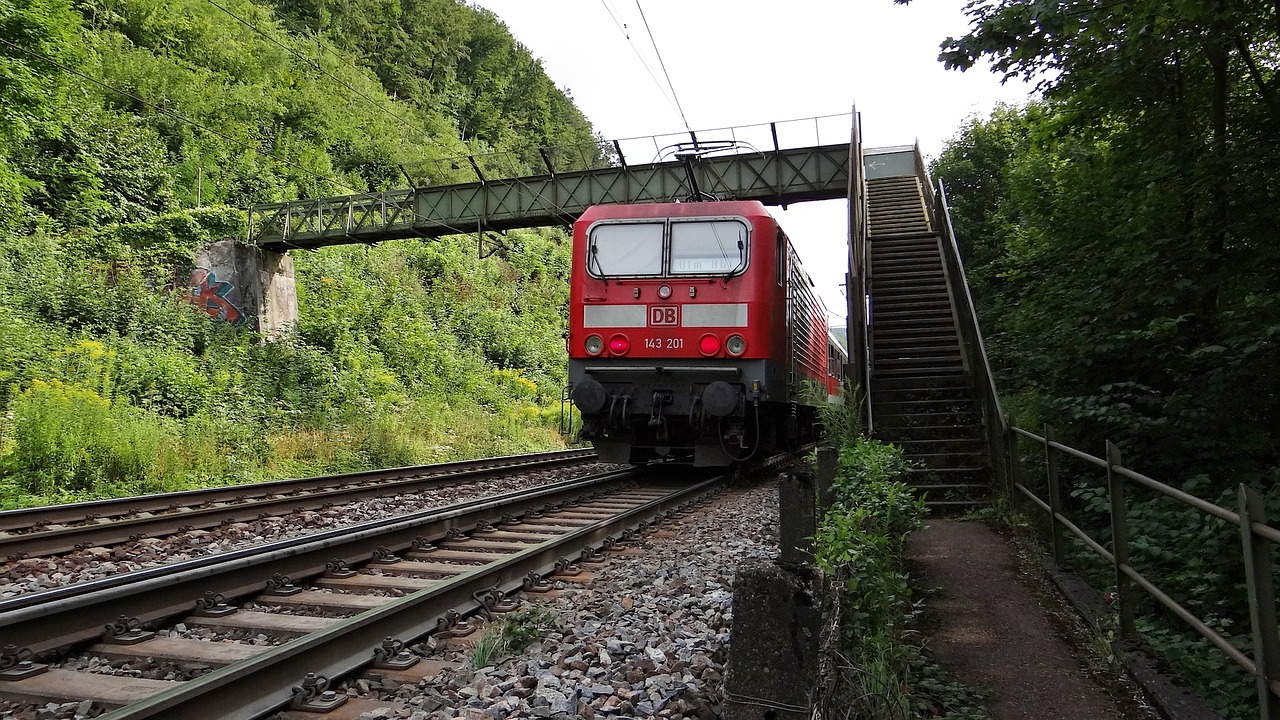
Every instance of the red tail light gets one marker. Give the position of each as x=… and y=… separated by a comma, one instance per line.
x=709, y=345
x=619, y=345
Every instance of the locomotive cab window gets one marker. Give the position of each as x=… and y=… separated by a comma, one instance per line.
x=718, y=247
x=625, y=250
x=671, y=248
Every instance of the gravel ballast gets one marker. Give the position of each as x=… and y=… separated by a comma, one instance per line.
x=646, y=637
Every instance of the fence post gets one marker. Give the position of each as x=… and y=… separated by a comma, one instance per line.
x=1055, y=495
x=1119, y=541
x=1262, y=602
x=1010, y=458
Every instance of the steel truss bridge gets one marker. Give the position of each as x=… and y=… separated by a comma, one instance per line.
x=724, y=168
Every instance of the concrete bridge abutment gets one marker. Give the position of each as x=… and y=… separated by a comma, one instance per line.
x=245, y=286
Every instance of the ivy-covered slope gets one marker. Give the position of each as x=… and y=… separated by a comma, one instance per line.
x=134, y=130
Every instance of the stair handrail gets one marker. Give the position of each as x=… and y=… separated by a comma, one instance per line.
x=926, y=187
x=856, y=336
x=972, y=344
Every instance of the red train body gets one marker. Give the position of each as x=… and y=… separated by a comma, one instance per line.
x=692, y=332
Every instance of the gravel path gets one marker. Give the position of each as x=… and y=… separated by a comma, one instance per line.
x=988, y=628
x=646, y=638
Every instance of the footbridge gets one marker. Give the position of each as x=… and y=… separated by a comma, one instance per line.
x=747, y=163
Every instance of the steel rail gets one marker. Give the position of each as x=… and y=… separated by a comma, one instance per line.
x=79, y=612
x=150, y=515
x=261, y=684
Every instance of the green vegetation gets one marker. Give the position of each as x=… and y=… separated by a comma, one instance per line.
x=860, y=543
x=512, y=633
x=132, y=131
x=1120, y=243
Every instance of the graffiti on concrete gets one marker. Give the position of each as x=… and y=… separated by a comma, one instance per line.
x=210, y=294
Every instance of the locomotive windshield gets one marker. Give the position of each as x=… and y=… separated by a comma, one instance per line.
x=631, y=249
x=661, y=249
x=708, y=248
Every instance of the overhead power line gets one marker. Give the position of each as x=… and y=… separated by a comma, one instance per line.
x=176, y=116
x=622, y=28
x=664, y=67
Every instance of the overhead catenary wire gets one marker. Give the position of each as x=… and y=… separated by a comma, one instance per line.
x=663, y=64
x=622, y=28
x=175, y=115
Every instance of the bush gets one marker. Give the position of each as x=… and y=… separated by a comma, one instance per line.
x=70, y=441
x=859, y=546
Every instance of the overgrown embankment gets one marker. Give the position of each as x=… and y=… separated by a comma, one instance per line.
x=876, y=667
x=133, y=129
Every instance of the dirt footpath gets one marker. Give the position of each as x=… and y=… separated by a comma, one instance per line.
x=989, y=630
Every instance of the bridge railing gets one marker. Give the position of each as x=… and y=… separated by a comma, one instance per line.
x=1256, y=539
x=856, y=280
x=348, y=215
x=760, y=137
x=974, y=351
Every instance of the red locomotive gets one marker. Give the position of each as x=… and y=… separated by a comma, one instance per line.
x=692, y=330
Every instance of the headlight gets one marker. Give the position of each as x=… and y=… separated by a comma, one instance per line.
x=594, y=345
x=736, y=345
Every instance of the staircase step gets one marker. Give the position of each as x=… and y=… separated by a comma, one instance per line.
x=962, y=444
x=934, y=275
x=944, y=332
x=902, y=284
x=926, y=349
x=887, y=266
x=929, y=432
x=945, y=461
x=891, y=402
x=923, y=239
x=897, y=343
x=893, y=425
x=925, y=247
x=894, y=299
x=906, y=400
x=955, y=380
x=916, y=371
x=942, y=314
x=897, y=359
x=900, y=323
x=922, y=291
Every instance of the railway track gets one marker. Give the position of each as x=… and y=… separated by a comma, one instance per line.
x=44, y=531
x=329, y=604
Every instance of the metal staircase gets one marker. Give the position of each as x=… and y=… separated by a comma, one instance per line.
x=923, y=397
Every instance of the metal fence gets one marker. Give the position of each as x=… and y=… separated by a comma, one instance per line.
x=1256, y=537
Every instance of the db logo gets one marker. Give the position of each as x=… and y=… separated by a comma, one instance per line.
x=664, y=315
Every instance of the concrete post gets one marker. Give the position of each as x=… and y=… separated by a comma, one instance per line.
x=797, y=520
x=773, y=658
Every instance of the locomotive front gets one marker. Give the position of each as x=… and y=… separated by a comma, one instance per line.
x=677, y=330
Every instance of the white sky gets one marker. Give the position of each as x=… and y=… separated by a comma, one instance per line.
x=736, y=63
